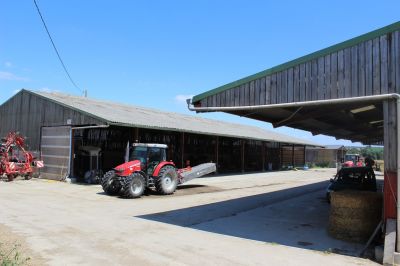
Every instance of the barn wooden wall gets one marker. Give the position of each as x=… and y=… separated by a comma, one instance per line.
x=371, y=67
x=27, y=113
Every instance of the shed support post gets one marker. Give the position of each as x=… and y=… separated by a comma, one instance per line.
x=217, y=153
x=263, y=156
x=136, y=135
x=183, y=150
x=391, y=150
x=293, y=155
x=304, y=156
x=242, y=153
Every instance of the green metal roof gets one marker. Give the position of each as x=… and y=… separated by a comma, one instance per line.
x=331, y=49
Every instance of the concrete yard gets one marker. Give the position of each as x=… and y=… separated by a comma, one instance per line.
x=277, y=218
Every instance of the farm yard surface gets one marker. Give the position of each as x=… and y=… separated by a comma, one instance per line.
x=275, y=218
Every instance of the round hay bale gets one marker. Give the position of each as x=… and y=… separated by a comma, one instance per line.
x=354, y=214
x=354, y=199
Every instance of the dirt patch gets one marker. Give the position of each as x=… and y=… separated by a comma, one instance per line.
x=10, y=240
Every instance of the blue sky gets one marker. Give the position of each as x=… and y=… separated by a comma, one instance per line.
x=157, y=53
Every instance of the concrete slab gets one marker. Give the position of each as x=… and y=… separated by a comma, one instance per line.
x=234, y=220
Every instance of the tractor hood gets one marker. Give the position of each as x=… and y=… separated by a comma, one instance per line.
x=127, y=168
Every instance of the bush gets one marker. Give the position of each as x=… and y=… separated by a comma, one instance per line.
x=11, y=257
x=322, y=164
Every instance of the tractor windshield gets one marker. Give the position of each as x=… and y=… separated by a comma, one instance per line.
x=138, y=153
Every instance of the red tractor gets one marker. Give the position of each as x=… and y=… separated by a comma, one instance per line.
x=14, y=159
x=148, y=167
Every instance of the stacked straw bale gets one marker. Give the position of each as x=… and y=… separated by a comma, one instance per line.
x=354, y=214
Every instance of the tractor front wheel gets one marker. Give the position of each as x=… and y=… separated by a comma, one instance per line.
x=133, y=186
x=167, y=180
x=110, y=186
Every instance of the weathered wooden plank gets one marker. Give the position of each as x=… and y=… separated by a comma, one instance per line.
x=218, y=99
x=368, y=68
x=354, y=71
x=334, y=76
x=347, y=72
x=247, y=94
x=328, y=87
x=283, y=90
x=251, y=93
x=242, y=95
x=262, y=91
x=302, y=81
x=383, y=48
x=228, y=98
x=233, y=98
x=290, y=92
x=361, y=69
x=257, y=92
x=376, y=67
x=397, y=59
x=236, y=94
x=279, y=87
x=208, y=101
x=308, y=80
x=296, y=83
x=392, y=63
x=273, y=88
x=314, y=80
x=214, y=100
x=268, y=90
x=341, y=86
x=320, y=78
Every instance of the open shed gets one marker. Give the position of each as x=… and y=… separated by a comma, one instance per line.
x=64, y=129
x=349, y=90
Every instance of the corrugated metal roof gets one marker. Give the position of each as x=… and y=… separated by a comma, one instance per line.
x=135, y=116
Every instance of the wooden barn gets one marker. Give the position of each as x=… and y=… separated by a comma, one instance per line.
x=67, y=131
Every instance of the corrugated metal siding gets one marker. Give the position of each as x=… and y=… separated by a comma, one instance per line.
x=55, y=152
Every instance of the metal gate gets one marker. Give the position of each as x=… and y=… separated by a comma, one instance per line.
x=55, y=147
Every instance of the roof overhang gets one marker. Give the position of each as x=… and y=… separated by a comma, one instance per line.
x=359, y=119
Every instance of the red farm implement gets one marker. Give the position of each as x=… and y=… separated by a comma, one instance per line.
x=14, y=159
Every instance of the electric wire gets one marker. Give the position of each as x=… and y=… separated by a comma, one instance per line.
x=55, y=49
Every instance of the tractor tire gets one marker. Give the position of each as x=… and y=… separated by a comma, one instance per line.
x=133, y=186
x=28, y=176
x=10, y=177
x=167, y=180
x=110, y=186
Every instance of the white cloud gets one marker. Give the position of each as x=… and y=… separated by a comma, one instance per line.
x=8, y=64
x=10, y=76
x=181, y=98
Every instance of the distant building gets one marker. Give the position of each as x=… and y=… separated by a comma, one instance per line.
x=329, y=156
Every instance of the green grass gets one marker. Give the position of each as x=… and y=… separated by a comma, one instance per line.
x=11, y=256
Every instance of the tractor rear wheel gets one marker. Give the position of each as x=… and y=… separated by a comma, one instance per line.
x=167, y=180
x=110, y=186
x=133, y=186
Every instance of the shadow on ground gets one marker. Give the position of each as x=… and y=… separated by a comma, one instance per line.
x=296, y=217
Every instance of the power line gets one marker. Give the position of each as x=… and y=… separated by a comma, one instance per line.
x=55, y=49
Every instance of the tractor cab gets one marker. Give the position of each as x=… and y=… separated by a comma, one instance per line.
x=149, y=155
